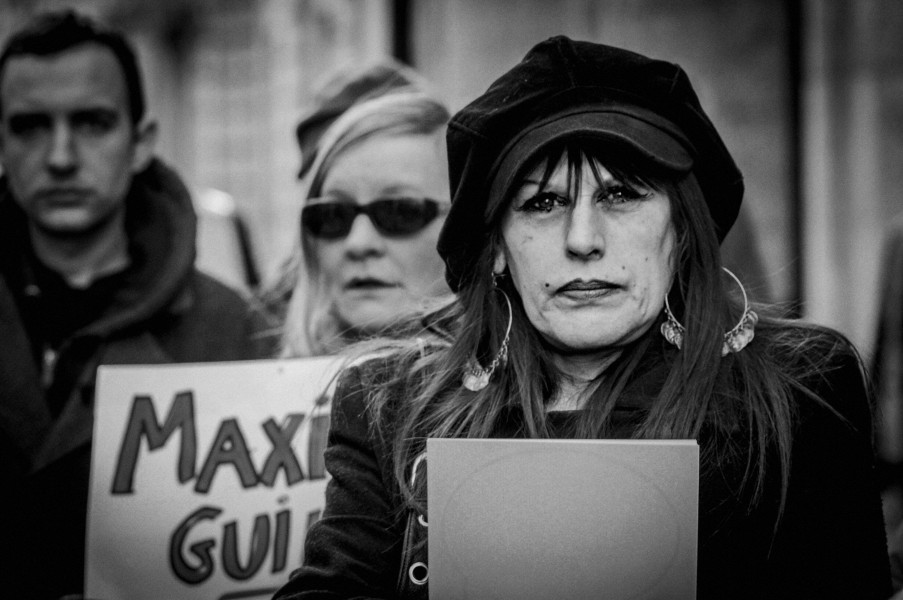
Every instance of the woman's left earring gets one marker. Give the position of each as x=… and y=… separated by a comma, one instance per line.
x=735, y=340
x=476, y=377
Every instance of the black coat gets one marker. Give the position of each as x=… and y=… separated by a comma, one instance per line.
x=830, y=542
x=165, y=311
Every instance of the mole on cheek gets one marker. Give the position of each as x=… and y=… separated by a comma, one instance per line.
x=547, y=284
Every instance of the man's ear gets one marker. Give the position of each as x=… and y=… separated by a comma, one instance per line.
x=145, y=144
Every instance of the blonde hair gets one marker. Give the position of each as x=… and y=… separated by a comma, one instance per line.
x=310, y=326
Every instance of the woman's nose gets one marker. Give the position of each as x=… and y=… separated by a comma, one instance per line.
x=584, y=237
x=364, y=240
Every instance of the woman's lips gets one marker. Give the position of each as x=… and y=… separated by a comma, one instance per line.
x=368, y=283
x=579, y=289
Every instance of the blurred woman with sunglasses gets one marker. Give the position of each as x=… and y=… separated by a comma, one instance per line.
x=375, y=199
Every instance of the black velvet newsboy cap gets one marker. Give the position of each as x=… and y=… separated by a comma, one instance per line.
x=565, y=89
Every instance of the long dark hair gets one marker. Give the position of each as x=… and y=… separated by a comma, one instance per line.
x=745, y=399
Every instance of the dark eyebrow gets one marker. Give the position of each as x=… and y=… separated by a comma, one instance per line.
x=29, y=114
x=20, y=120
x=95, y=112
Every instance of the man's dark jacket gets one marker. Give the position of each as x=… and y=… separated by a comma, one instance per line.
x=164, y=311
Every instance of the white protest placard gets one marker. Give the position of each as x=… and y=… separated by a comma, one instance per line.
x=205, y=477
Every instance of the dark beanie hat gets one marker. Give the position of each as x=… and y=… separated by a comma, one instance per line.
x=565, y=89
x=341, y=92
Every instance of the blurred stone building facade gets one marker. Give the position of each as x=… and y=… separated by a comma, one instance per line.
x=807, y=93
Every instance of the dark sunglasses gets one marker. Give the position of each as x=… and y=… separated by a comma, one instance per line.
x=392, y=217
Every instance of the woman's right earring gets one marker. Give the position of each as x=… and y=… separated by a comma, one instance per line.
x=476, y=377
x=671, y=329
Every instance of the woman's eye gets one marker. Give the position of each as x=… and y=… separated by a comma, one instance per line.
x=542, y=202
x=621, y=194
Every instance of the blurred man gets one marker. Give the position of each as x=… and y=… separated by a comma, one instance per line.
x=96, y=267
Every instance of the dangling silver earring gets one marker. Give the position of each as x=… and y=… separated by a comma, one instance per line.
x=476, y=377
x=735, y=340
x=671, y=329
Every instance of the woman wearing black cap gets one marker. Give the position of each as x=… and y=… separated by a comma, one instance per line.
x=590, y=194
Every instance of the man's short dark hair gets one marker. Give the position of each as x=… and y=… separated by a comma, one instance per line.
x=54, y=32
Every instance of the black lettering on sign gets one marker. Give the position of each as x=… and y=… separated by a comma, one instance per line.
x=260, y=541
x=280, y=543
x=143, y=423
x=229, y=448
x=202, y=550
x=195, y=564
x=282, y=456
